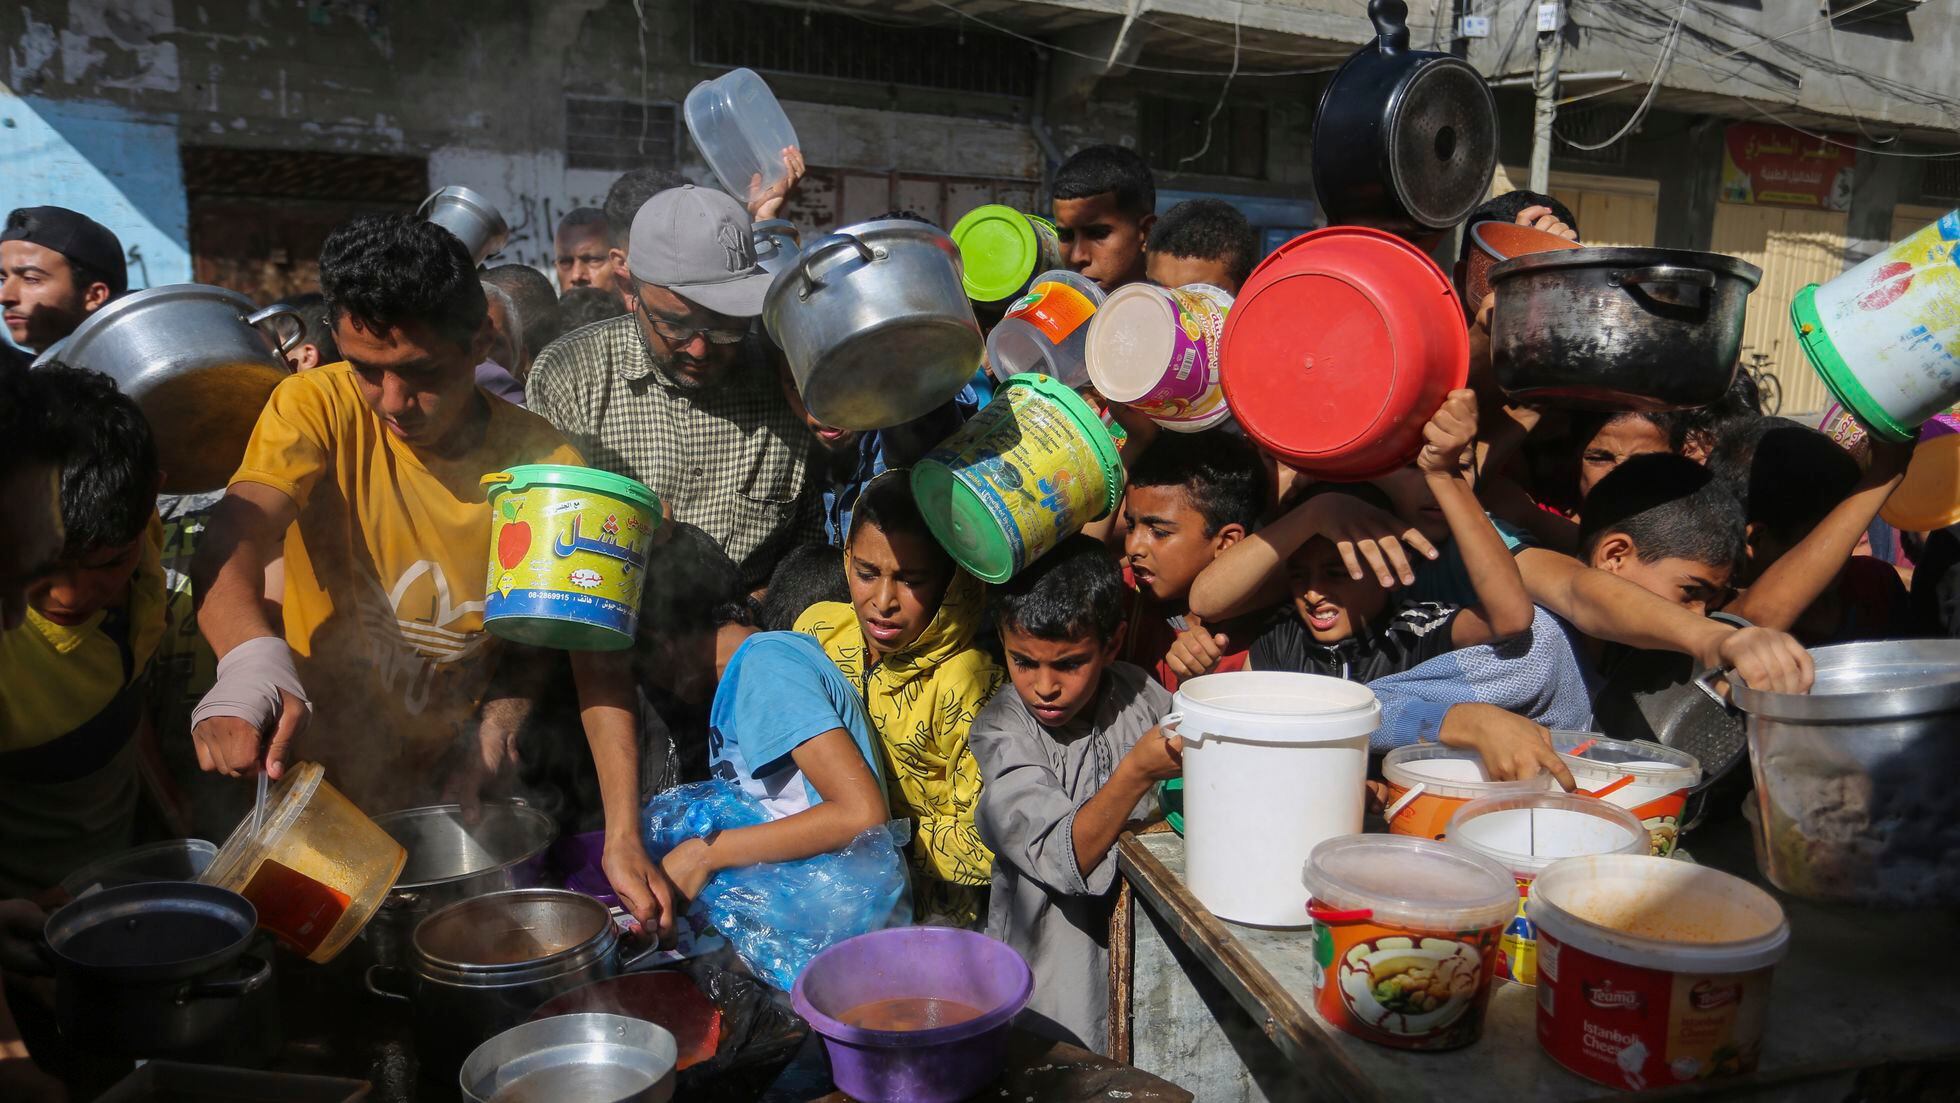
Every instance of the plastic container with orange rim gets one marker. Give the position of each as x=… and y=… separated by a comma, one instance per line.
x=317, y=867
x=1653, y=972
x=1662, y=779
x=1405, y=938
x=1428, y=782
x=1529, y=832
x=1339, y=348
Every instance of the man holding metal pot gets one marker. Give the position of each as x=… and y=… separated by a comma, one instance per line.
x=57, y=267
x=366, y=475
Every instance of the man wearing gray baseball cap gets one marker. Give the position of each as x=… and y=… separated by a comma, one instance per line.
x=680, y=393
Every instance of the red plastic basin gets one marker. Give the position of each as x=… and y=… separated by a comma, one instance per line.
x=1341, y=345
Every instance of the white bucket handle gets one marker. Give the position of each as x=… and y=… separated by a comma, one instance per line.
x=1169, y=725
x=1395, y=809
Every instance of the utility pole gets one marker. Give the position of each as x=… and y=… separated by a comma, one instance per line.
x=1551, y=15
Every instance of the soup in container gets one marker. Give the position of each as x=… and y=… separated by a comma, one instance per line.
x=1527, y=833
x=1653, y=972
x=1428, y=782
x=1662, y=779
x=1405, y=938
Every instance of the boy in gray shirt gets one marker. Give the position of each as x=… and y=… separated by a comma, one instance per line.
x=1067, y=759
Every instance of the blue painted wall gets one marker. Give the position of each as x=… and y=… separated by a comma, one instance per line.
x=119, y=169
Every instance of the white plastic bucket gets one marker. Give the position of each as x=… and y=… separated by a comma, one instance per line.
x=1527, y=833
x=1046, y=330
x=1274, y=764
x=1653, y=972
x=1885, y=336
x=1662, y=779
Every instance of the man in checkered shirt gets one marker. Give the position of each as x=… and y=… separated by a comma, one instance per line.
x=681, y=393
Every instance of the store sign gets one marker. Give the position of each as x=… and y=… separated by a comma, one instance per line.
x=1778, y=166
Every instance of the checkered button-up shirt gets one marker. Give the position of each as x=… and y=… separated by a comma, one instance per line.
x=731, y=459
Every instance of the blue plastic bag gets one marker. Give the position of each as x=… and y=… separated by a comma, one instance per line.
x=778, y=916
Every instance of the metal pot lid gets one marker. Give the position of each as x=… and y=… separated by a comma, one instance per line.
x=512, y=931
x=152, y=931
x=1875, y=681
x=442, y=848
x=1628, y=257
x=1442, y=141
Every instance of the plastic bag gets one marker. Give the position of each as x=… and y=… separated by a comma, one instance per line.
x=780, y=915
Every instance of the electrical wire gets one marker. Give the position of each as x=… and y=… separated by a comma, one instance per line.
x=1844, y=101
x=1826, y=138
x=1653, y=86
x=1011, y=33
x=1238, y=11
x=1723, y=56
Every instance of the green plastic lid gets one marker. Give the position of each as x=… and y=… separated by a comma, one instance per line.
x=1837, y=375
x=959, y=517
x=581, y=478
x=998, y=252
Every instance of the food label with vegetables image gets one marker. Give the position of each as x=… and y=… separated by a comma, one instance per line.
x=1404, y=988
x=1646, y=1028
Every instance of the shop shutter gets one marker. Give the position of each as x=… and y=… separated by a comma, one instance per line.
x=1794, y=247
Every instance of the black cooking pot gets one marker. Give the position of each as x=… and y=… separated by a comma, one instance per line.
x=1405, y=140
x=1619, y=328
x=153, y=969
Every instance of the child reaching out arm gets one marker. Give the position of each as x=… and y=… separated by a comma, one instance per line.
x=1503, y=608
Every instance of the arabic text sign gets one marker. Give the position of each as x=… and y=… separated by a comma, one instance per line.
x=1779, y=166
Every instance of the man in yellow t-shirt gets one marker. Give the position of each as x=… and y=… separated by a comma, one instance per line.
x=367, y=475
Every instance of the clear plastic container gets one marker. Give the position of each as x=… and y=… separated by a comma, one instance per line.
x=1046, y=330
x=741, y=131
x=316, y=869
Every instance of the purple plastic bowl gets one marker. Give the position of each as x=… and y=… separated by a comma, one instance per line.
x=942, y=1065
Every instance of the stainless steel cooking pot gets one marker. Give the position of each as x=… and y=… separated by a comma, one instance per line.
x=449, y=860
x=474, y=220
x=192, y=358
x=777, y=244
x=593, y=1058
x=1855, y=780
x=1619, y=328
x=1405, y=140
x=482, y=966
x=153, y=969
x=876, y=324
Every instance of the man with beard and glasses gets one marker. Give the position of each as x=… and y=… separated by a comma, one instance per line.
x=681, y=392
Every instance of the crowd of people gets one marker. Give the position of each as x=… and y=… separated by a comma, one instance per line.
x=803, y=636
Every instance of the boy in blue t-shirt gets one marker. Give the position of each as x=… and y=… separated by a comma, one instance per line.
x=791, y=731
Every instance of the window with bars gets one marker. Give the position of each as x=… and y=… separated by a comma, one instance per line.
x=869, y=46
x=1172, y=130
x=1592, y=124
x=1942, y=179
x=618, y=135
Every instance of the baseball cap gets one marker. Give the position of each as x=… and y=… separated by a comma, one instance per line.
x=74, y=235
x=696, y=242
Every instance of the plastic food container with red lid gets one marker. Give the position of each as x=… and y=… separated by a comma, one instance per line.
x=1338, y=350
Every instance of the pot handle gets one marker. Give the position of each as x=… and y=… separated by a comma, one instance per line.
x=1391, y=20
x=286, y=344
x=1663, y=273
x=236, y=986
x=829, y=244
x=368, y=979
x=1394, y=810
x=423, y=209
x=1173, y=722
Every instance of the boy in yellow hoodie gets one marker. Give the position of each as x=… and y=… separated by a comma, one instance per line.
x=906, y=641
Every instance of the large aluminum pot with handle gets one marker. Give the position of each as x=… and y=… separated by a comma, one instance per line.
x=193, y=357
x=451, y=859
x=474, y=220
x=484, y=965
x=1619, y=328
x=876, y=324
x=1855, y=780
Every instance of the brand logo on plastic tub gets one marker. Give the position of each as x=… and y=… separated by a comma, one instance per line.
x=1635, y=1028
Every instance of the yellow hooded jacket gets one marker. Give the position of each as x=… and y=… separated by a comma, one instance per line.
x=922, y=701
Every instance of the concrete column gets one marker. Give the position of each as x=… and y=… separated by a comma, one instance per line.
x=1690, y=182
x=1875, y=190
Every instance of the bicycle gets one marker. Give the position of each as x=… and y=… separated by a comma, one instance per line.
x=1769, y=389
